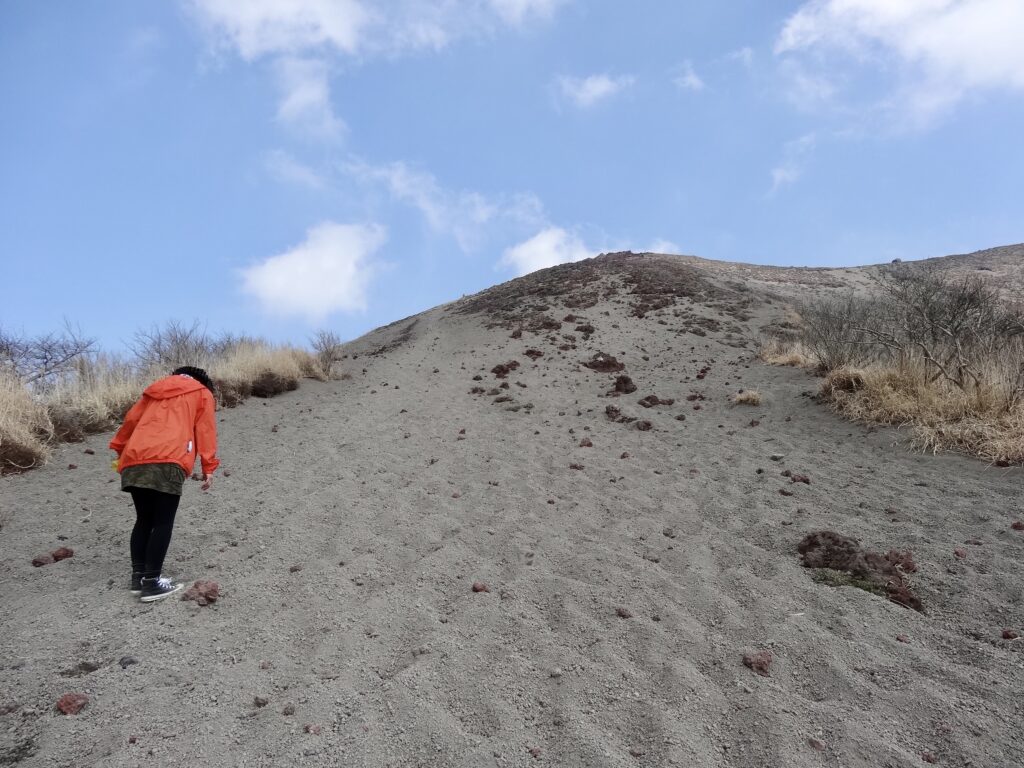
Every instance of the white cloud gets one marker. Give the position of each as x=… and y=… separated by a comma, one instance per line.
x=465, y=215
x=664, y=246
x=550, y=246
x=938, y=51
x=744, y=56
x=587, y=91
x=330, y=271
x=516, y=12
x=304, y=36
x=260, y=27
x=283, y=167
x=794, y=160
x=306, y=98
x=687, y=79
x=257, y=28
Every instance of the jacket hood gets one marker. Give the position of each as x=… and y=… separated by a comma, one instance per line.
x=172, y=386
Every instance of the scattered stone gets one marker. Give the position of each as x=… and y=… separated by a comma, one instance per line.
x=929, y=757
x=274, y=428
x=644, y=426
x=1009, y=634
x=502, y=370
x=625, y=455
x=776, y=457
x=295, y=568
x=604, y=363
x=72, y=466
x=624, y=385
x=314, y=730
x=288, y=710
x=1018, y=525
x=612, y=412
x=759, y=661
x=266, y=665
x=89, y=451
x=870, y=571
x=479, y=586
x=623, y=613
x=72, y=703
x=81, y=668
x=797, y=478
x=652, y=400
x=576, y=466
x=260, y=701
x=636, y=752
x=42, y=560
x=670, y=532
x=586, y=442
x=533, y=354
x=960, y=553
x=784, y=492
x=815, y=744
x=903, y=638
x=535, y=752
x=226, y=473
x=203, y=592
x=681, y=417
x=127, y=661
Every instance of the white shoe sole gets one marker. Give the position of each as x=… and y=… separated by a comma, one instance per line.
x=136, y=592
x=153, y=598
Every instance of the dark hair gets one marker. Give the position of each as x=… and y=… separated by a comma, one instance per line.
x=196, y=373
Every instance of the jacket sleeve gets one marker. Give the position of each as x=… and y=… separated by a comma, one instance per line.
x=206, y=433
x=131, y=420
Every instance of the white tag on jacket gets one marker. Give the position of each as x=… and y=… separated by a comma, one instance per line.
x=189, y=449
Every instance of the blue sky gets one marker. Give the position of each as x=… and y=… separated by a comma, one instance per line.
x=276, y=166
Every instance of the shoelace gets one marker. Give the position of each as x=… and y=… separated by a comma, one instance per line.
x=163, y=582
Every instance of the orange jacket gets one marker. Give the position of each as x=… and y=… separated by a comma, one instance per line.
x=171, y=423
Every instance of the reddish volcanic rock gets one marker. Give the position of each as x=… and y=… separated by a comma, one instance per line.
x=62, y=553
x=203, y=592
x=479, y=586
x=72, y=703
x=604, y=363
x=759, y=661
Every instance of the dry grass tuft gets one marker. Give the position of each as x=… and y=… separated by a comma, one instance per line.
x=263, y=370
x=775, y=351
x=93, y=393
x=24, y=428
x=747, y=397
x=942, y=417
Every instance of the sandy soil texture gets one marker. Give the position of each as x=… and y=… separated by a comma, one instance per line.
x=440, y=561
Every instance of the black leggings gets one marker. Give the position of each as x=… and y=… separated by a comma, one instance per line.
x=151, y=536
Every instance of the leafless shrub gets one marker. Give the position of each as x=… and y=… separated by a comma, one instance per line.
x=172, y=345
x=944, y=354
x=37, y=360
x=327, y=348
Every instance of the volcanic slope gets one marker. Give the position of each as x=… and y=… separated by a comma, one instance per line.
x=480, y=549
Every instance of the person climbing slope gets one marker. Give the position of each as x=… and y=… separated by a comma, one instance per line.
x=156, y=447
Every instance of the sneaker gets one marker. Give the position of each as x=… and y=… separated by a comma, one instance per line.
x=158, y=589
x=136, y=583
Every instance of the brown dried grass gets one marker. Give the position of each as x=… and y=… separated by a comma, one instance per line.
x=25, y=428
x=775, y=351
x=96, y=396
x=747, y=397
x=941, y=416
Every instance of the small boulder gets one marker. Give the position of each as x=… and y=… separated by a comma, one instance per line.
x=202, y=592
x=72, y=703
x=759, y=661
